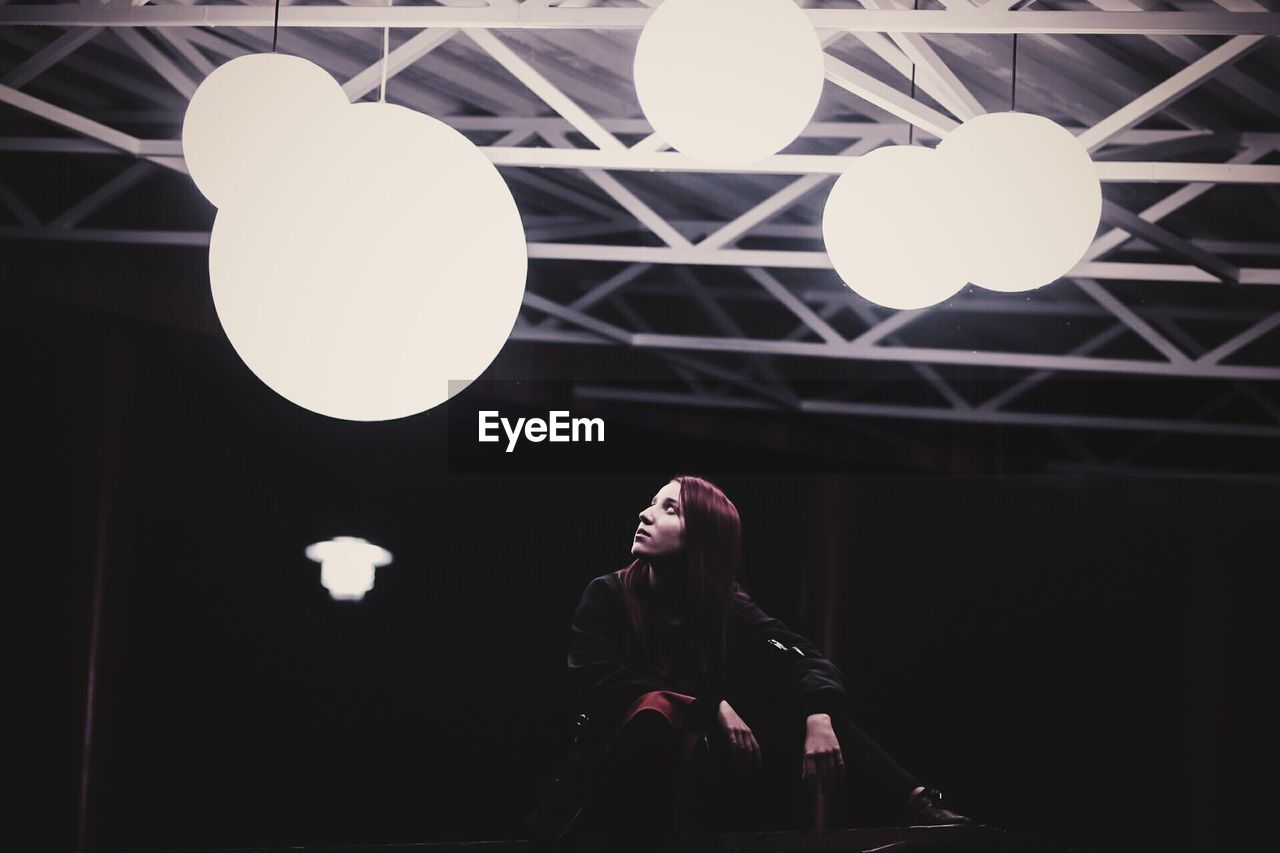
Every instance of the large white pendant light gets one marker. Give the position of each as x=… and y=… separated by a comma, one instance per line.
x=890, y=231
x=1029, y=197
x=1007, y=201
x=375, y=262
x=728, y=82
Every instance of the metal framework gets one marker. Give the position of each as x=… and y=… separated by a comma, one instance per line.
x=623, y=224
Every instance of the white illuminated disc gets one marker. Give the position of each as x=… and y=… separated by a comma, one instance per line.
x=890, y=231
x=1031, y=196
x=250, y=116
x=391, y=261
x=728, y=81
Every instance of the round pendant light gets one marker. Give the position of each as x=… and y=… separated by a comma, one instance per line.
x=1029, y=195
x=380, y=267
x=889, y=228
x=728, y=82
x=249, y=118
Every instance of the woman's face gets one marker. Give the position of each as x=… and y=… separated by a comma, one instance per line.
x=661, y=529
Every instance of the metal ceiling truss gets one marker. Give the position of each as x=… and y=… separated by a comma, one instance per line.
x=877, y=17
x=596, y=172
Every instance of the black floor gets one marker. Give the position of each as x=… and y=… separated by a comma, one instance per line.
x=877, y=840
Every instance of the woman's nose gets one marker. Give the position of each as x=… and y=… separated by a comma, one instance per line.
x=645, y=517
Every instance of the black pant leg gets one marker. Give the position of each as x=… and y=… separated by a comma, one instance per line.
x=632, y=804
x=876, y=787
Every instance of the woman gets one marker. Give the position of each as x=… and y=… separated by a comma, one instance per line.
x=693, y=699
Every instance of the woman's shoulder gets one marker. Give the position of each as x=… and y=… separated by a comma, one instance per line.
x=605, y=586
x=603, y=598
x=742, y=608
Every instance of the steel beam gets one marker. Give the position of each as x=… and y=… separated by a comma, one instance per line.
x=161, y=64
x=178, y=41
x=1248, y=336
x=127, y=236
x=935, y=413
x=70, y=120
x=1236, y=172
x=1196, y=349
x=629, y=201
x=101, y=72
x=103, y=195
x=946, y=86
x=926, y=371
x=886, y=327
x=57, y=50
x=397, y=60
x=1114, y=214
x=819, y=260
x=1030, y=361
x=1151, y=273
x=1174, y=201
x=804, y=313
x=887, y=98
x=602, y=291
x=778, y=202
x=1127, y=316
x=637, y=208
x=1188, y=51
x=521, y=17
x=537, y=83
x=578, y=318
x=815, y=130
x=1157, y=98
x=727, y=325
x=688, y=375
x=18, y=207
x=1039, y=377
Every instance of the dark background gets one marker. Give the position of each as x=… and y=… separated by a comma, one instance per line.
x=1066, y=656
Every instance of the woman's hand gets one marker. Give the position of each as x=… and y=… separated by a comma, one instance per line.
x=823, y=762
x=742, y=743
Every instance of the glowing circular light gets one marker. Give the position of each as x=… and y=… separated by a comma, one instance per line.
x=384, y=274
x=1031, y=197
x=728, y=82
x=250, y=117
x=347, y=565
x=889, y=228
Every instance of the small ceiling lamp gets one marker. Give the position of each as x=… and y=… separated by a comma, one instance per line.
x=728, y=82
x=348, y=565
x=371, y=262
x=1029, y=195
x=249, y=118
x=890, y=229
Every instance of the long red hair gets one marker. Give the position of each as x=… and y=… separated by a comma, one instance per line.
x=713, y=554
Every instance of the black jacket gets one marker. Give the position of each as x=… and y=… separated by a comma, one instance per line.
x=608, y=671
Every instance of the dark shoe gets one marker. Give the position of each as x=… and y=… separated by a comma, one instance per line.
x=925, y=809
